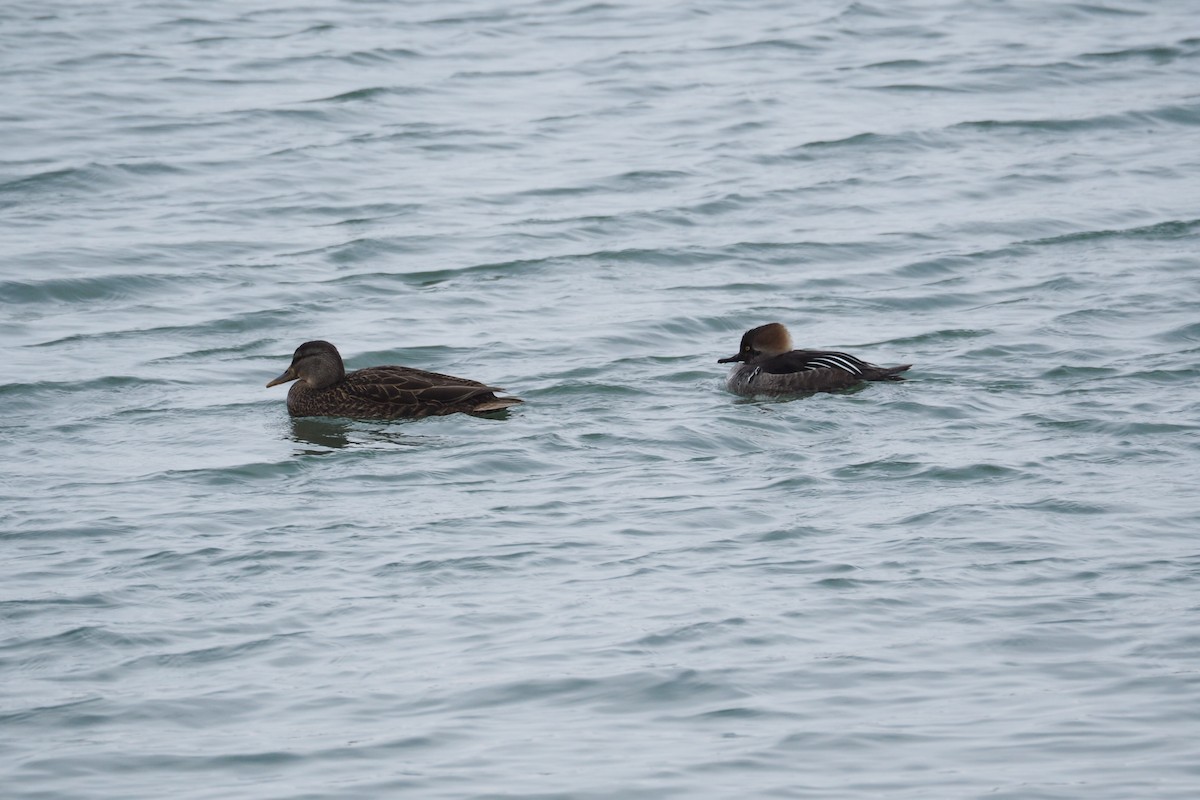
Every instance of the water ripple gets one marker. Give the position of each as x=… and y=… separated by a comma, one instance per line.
x=635, y=585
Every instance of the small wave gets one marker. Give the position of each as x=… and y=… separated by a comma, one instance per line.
x=372, y=93
x=110, y=288
x=1158, y=56
x=1173, y=229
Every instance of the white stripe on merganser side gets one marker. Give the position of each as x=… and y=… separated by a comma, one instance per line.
x=838, y=361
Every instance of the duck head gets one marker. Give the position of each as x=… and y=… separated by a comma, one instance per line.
x=765, y=340
x=317, y=364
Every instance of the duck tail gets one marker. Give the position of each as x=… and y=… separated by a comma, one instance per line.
x=494, y=404
x=888, y=373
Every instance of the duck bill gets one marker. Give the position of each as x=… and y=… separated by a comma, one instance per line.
x=730, y=360
x=290, y=375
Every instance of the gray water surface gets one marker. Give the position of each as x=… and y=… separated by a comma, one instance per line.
x=978, y=583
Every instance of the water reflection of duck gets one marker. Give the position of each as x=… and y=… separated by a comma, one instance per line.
x=323, y=388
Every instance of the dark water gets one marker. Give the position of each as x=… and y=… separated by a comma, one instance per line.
x=979, y=583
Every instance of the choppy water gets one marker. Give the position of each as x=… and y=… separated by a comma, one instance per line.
x=980, y=583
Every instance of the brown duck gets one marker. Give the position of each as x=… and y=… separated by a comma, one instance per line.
x=323, y=388
x=769, y=366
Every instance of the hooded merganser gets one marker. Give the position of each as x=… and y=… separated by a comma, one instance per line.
x=769, y=366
